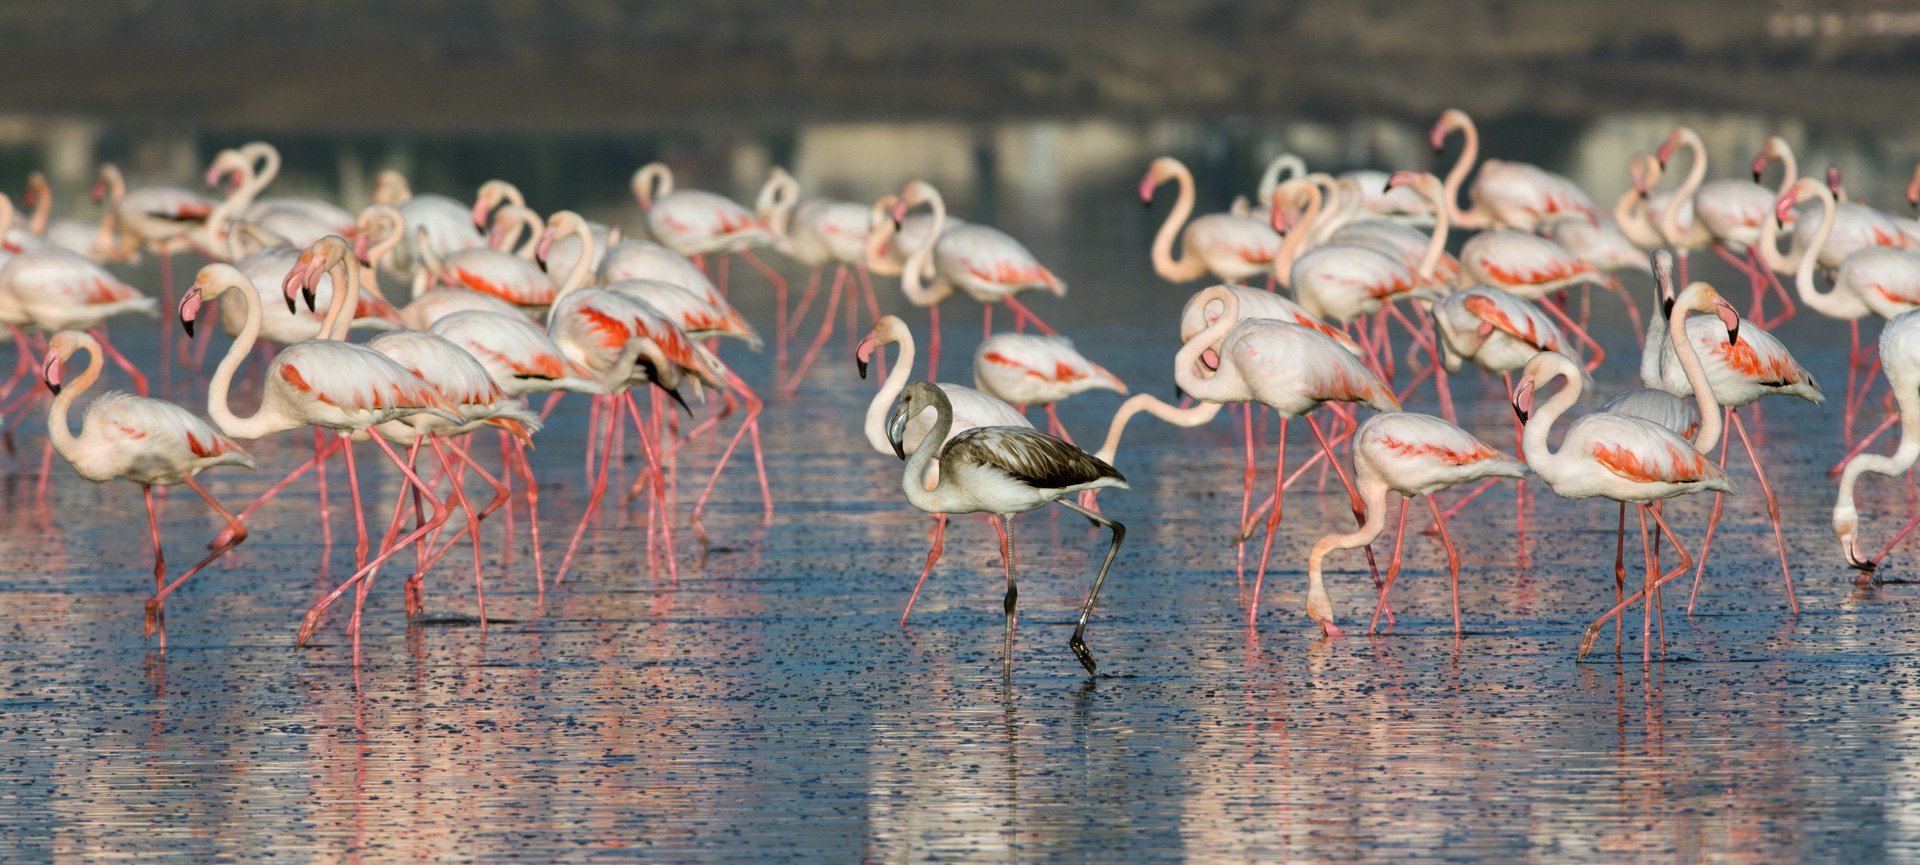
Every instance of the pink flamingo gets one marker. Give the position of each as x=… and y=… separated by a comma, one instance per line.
x=513, y=277
x=815, y=232
x=1900, y=356
x=1286, y=367
x=148, y=441
x=970, y=409
x=382, y=230
x=53, y=289
x=1230, y=248
x=1726, y=215
x=1413, y=455
x=1025, y=368
x=1003, y=471
x=323, y=383
x=435, y=223
x=696, y=223
x=1619, y=457
x=889, y=245
x=251, y=167
x=1505, y=194
x=986, y=263
x=94, y=240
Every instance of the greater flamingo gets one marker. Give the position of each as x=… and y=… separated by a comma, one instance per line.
x=986, y=263
x=1003, y=471
x=1504, y=194
x=1035, y=369
x=1414, y=455
x=815, y=232
x=1900, y=357
x=1231, y=248
x=148, y=441
x=696, y=223
x=970, y=408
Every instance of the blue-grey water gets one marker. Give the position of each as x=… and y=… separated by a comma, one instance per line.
x=766, y=706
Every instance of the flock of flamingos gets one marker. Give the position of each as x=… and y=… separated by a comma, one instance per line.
x=1318, y=277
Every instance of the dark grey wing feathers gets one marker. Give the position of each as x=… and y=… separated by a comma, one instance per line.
x=1030, y=456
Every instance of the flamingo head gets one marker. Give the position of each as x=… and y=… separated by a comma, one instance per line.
x=1450, y=119
x=1701, y=297
x=229, y=165
x=1668, y=146
x=38, y=190
x=1846, y=527
x=913, y=195
x=59, y=348
x=1801, y=190
x=1419, y=181
x=1157, y=173
x=1833, y=180
x=99, y=191
x=863, y=355
x=1759, y=165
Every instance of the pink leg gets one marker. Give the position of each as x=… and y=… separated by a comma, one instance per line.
x=826, y=332
x=1865, y=442
x=611, y=418
x=1393, y=567
x=320, y=442
x=1273, y=523
x=1453, y=561
x=359, y=515
x=751, y=422
x=1773, y=512
x=1353, y=495
x=986, y=321
x=235, y=532
x=276, y=488
x=806, y=301
x=1713, y=522
x=440, y=514
x=1598, y=354
x=779, y=302
x=1246, y=488
x=1686, y=564
x=1022, y=312
x=933, y=555
x=120, y=360
x=159, y=562
x=663, y=486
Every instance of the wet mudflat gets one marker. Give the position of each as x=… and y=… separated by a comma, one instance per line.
x=767, y=706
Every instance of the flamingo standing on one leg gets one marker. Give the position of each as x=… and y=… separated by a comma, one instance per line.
x=970, y=409
x=148, y=441
x=1414, y=455
x=1004, y=471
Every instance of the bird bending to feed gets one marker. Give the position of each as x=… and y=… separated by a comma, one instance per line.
x=149, y=441
x=1900, y=355
x=1003, y=471
x=1411, y=454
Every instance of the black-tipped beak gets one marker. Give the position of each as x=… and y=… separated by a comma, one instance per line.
x=677, y=398
x=307, y=292
x=1863, y=567
x=292, y=309
x=1733, y=335
x=861, y=364
x=1666, y=308
x=1178, y=391
x=187, y=324
x=1756, y=177
x=1520, y=413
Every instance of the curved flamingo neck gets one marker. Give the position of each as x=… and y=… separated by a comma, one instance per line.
x=1903, y=457
x=913, y=273
x=1296, y=233
x=896, y=333
x=1457, y=176
x=1711, y=421
x=651, y=183
x=1829, y=302
x=42, y=207
x=57, y=430
x=1694, y=235
x=938, y=498
x=260, y=423
x=343, y=270
x=1184, y=417
x=1437, y=241
x=1293, y=165
x=1373, y=491
x=1533, y=438
x=1218, y=386
x=582, y=270
x=1188, y=266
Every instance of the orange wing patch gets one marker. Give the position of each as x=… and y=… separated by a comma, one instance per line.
x=1766, y=369
x=1489, y=311
x=1440, y=452
x=1008, y=273
x=1559, y=270
x=1687, y=465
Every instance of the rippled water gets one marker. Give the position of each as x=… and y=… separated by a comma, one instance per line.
x=767, y=706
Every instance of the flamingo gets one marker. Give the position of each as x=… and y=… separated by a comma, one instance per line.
x=1636, y=213
x=1025, y=368
x=512, y=277
x=1231, y=248
x=253, y=166
x=1900, y=357
x=55, y=289
x=1286, y=367
x=148, y=441
x=889, y=245
x=382, y=229
x=695, y=223
x=437, y=224
x=92, y=239
x=321, y=383
x=1414, y=455
x=986, y=263
x=1505, y=194
x=814, y=233
x=1726, y=215
x=1740, y=371
x=1614, y=456
x=970, y=409
x=1003, y=471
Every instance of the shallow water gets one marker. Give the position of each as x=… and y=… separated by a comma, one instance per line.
x=765, y=705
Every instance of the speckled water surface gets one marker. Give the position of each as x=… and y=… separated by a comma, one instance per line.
x=766, y=706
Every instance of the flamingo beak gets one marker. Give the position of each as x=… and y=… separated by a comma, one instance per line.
x=99, y=192
x=1438, y=137
x=1729, y=318
x=295, y=276
x=1913, y=193
x=1399, y=179
x=897, y=430
x=52, y=373
x=546, y=246
x=360, y=247
x=1666, y=150
x=480, y=214
x=1783, y=209
x=189, y=309
x=1759, y=166
x=863, y=355
x=1523, y=399
x=1147, y=184
x=900, y=211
